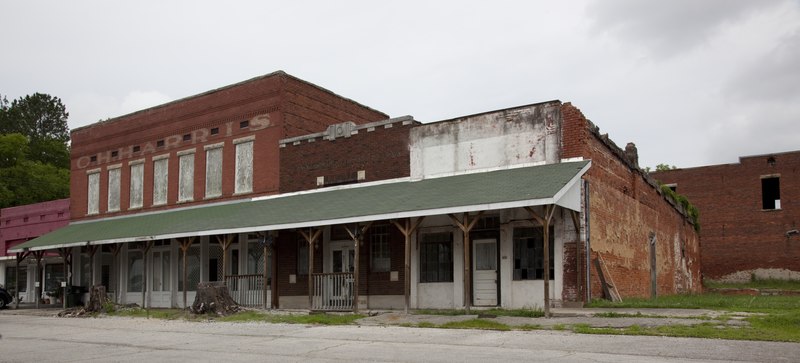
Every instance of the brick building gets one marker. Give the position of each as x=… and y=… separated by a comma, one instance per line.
x=749, y=215
x=21, y=224
x=299, y=198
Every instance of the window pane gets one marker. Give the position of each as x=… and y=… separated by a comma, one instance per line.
x=165, y=265
x=186, y=178
x=113, y=189
x=302, y=256
x=485, y=256
x=86, y=267
x=214, y=172
x=255, y=258
x=436, y=257
x=160, y=176
x=135, y=271
x=244, y=167
x=529, y=253
x=137, y=180
x=379, y=246
x=193, y=269
x=93, y=201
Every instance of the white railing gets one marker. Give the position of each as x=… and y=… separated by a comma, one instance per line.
x=332, y=291
x=248, y=290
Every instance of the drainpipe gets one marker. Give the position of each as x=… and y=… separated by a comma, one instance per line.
x=588, y=244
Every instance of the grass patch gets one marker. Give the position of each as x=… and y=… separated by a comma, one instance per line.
x=166, y=314
x=312, y=319
x=707, y=301
x=475, y=324
x=528, y=327
x=773, y=284
x=529, y=313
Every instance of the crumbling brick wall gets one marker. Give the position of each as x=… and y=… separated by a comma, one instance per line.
x=740, y=238
x=625, y=208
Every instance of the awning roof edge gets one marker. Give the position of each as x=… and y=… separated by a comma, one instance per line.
x=556, y=197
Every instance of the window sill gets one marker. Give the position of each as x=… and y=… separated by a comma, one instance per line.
x=772, y=210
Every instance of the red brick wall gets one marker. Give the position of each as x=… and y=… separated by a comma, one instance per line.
x=738, y=236
x=269, y=103
x=382, y=154
x=624, y=209
x=25, y=222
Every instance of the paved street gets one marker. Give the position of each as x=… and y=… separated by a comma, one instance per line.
x=34, y=338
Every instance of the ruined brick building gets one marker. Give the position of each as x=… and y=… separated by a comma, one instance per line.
x=749, y=215
x=300, y=198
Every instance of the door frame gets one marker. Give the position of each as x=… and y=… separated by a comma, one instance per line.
x=161, y=294
x=474, y=270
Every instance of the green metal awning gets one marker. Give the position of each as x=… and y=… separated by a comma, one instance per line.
x=494, y=190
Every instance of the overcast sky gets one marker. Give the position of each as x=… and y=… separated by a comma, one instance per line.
x=690, y=82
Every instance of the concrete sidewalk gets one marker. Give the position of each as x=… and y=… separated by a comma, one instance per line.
x=594, y=317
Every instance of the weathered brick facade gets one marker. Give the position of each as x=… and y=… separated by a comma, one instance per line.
x=625, y=207
x=267, y=108
x=740, y=238
x=25, y=222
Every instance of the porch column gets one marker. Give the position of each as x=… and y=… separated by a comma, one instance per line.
x=225, y=242
x=545, y=222
x=269, y=241
x=466, y=225
x=92, y=250
x=20, y=257
x=66, y=257
x=184, y=246
x=38, y=255
x=274, y=284
x=115, y=249
x=357, y=234
x=407, y=229
x=146, y=246
x=310, y=237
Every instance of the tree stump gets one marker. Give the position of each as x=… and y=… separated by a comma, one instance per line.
x=213, y=297
x=97, y=298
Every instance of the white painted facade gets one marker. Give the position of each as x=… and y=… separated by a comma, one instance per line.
x=525, y=135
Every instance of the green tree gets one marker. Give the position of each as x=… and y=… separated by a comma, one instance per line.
x=34, y=150
x=37, y=116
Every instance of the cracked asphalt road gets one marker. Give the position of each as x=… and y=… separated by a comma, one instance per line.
x=35, y=338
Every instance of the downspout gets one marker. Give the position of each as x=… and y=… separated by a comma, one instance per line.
x=588, y=243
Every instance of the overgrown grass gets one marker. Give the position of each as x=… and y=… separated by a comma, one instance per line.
x=475, y=324
x=166, y=314
x=313, y=319
x=708, y=301
x=774, y=284
x=528, y=313
x=778, y=318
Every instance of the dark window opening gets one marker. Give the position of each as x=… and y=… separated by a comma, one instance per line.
x=187, y=137
x=244, y=124
x=159, y=143
x=436, y=257
x=771, y=193
x=114, y=154
x=771, y=161
x=380, y=251
x=25, y=219
x=302, y=255
x=529, y=253
x=673, y=187
x=215, y=131
x=136, y=149
x=93, y=158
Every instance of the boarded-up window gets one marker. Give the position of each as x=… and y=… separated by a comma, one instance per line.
x=137, y=185
x=93, y=196
x=186, y=178
x=113, y=189
x=244, y=167
x=160, y=178
x=529, y=253
x=214, y=172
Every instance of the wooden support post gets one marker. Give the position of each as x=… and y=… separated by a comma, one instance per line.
x=466, y=226
x=357, y=234
x=184, y=246
x=92, y=250
x=268, y=241
x=145, y=250
x=38, y=255
x=115, y=249
x=66, y=257
x=20, y=257
x=311, y=237
x=274, y=284
x=225, y=242
x=407, y=229
x=549, y=210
